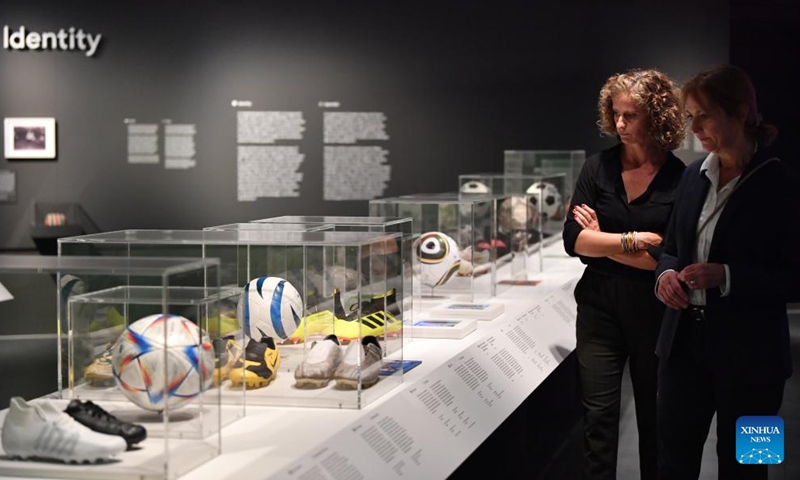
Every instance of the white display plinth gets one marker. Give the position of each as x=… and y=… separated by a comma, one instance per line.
x=436, y=419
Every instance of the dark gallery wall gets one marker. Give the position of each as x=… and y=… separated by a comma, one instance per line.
x=764, y=41
x=458, y=83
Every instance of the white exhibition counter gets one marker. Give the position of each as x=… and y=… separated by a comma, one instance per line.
x=425, y=428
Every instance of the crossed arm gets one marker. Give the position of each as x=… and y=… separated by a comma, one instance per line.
x=593, y=242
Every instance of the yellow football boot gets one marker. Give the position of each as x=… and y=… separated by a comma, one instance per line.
x=317, y=324
x=259, y=366
x=377, y=317
x=227, y=352
x=375, y=324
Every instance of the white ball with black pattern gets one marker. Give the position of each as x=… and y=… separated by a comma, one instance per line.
x=547, y=198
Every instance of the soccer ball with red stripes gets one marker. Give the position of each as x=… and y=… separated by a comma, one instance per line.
x=162, y=361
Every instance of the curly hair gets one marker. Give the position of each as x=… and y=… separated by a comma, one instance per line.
x=656, y=94
x=730, y=89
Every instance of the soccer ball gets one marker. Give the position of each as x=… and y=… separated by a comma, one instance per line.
x=439, y=258
x=475, y=187
x=518, y=213
x=139, y=368
x=481, y=207
x=271, y=307
x=70, y=285
x=547, y=197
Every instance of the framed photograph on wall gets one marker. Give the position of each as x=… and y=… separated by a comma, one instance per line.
x=30, y=138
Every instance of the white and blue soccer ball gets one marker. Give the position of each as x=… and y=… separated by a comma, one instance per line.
x=69, y=285
x=146, y=378
x=270, y=306
x=547, y=198
x=439, y=258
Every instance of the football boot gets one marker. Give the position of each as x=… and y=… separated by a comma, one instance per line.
x=227, y=352
x=259, y=366
x=318, y=324
x=361, y=363
x=41, y=430
x=377, y=317
x=100, y=373
x=93, y=416
x=320, y=363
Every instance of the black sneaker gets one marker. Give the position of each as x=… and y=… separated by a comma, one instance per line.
x=97, y=419
x=377, y=303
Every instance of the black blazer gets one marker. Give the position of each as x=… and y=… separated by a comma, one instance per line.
x=757, y=236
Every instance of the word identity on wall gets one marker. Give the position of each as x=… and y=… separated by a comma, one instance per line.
x=69, y=39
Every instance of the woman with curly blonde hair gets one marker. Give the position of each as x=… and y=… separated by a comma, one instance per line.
x=620, y=210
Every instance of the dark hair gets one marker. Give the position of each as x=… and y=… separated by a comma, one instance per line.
x=654, y=92
x=730, y=88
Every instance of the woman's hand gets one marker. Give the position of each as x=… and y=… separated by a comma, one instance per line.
x=670, y=291
x=700, y=276
x=645, y=240
x=586, y=217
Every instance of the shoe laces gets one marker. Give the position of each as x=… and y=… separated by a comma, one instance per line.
x=96, y=411
x=107, y=353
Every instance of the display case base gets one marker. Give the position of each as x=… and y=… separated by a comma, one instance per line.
x=477, y=311
x=454, y=328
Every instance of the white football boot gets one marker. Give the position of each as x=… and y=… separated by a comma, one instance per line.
x=317, y=369
x=361, y=362
x=42, y=430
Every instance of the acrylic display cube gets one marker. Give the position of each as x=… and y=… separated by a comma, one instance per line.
x=180, y=437
x=547, y=163
x=519, y=222
x=226, y=246
x=364, y=224
x=461, y=264
x=52, y=220
x=530, y=211
x=273, y=227
x=349, y=284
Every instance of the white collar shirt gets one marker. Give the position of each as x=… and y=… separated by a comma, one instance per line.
x=710, y=168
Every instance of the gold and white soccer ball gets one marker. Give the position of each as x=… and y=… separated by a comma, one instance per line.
x=439, y=258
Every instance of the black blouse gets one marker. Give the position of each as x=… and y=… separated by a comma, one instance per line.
x=600, y=187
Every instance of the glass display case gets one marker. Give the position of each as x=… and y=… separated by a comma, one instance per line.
x=547, y=163
x=299, y=295
x=530, y=212
x=225, y=246
x=274, y=227
x=519, y=224
x=53, y=220
x=454, y=243
x=146, y=359
x=365, y=224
